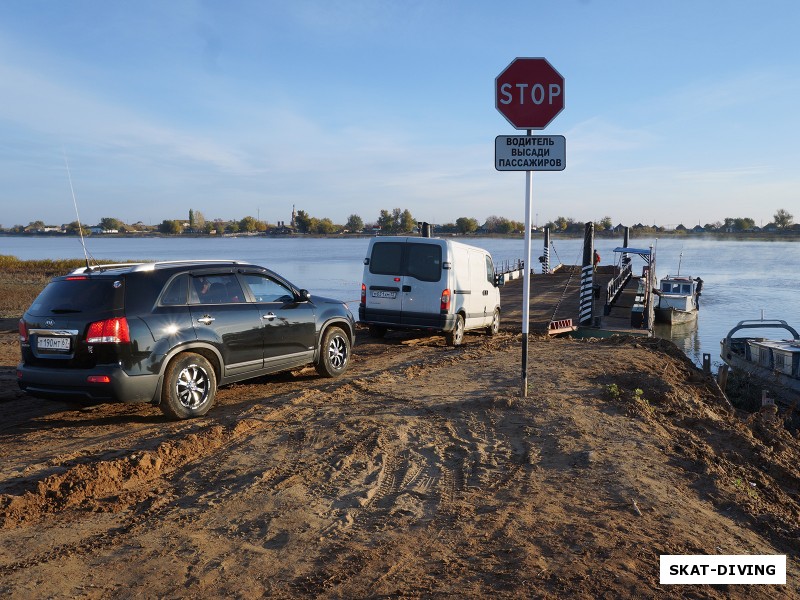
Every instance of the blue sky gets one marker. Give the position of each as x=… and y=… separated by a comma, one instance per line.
x=675, y=112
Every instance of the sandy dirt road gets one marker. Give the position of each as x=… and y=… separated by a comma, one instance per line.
x=420, y=473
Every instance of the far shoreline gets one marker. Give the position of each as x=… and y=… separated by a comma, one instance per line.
x=707, y=236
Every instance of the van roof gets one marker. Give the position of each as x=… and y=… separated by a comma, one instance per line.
x=424, y=240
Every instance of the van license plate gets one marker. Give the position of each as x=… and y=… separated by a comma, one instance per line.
x=384, y=294
x=53, y=343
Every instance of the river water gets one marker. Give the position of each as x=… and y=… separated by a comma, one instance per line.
x=742, y=279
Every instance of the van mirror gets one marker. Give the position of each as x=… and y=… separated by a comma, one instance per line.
x=366, y=261
x=499, y=280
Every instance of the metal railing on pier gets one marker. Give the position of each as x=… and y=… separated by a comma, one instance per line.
x=616, y=285
x=509, y=266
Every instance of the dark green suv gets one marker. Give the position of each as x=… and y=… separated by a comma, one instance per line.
x=169, y=333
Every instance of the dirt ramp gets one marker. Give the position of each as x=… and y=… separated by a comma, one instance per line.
x=420, y=473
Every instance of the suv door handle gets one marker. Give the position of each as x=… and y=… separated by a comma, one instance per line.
x=206, y=320
x=269, y=316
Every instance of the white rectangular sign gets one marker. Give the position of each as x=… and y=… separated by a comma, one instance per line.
x=728, y=569
x=530, y=153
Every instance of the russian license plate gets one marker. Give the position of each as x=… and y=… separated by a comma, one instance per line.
x=52, y=343
x=384, y=294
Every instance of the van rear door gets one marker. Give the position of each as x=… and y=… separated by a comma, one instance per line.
x=384, y=283
x=422, y=283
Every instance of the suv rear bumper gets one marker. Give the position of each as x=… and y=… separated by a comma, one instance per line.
x=405, y=320
x=73, y=384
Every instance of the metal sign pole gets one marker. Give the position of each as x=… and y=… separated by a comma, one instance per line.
x=526, y=280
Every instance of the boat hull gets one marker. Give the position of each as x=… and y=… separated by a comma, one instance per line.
x=771, y=377
x=674, y=316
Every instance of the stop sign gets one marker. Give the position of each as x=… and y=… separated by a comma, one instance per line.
x=529, y=93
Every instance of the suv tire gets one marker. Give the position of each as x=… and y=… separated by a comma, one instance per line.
x=334, y=353
x=190, y=386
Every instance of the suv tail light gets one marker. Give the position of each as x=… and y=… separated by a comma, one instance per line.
x=109, y=331
x=363, y=295
x=445, y=306
x=23, y=331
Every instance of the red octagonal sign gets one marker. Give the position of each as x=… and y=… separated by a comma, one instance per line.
x=529, y=93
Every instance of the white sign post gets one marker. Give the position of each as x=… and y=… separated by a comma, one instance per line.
x=529, y=93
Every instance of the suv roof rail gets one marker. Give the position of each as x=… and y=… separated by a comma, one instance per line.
x=151, y=266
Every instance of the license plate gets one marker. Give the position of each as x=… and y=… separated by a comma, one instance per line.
x=384, y=294
x=53, y=343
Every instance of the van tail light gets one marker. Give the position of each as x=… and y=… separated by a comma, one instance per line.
x=445, y=306
x=23, y=331
x=363, y=295
x=109, y=331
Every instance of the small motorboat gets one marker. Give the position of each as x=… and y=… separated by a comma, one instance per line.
x=678, y=299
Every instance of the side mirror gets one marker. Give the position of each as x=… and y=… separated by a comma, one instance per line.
x=305, y=296
x=499, y=280
x=366, y=261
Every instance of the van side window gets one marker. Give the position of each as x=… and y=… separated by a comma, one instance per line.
x=386, y=259
x=489, y=270
x=424, y=262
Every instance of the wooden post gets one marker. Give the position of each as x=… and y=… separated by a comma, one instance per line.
x=722, y=377
x=625, y=241
x=586, y=305
x=546, y=255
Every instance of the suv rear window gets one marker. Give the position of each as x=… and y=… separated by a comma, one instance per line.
x=79, y=295
x=421, y=261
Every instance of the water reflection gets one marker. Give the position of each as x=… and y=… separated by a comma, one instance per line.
x=685, y=336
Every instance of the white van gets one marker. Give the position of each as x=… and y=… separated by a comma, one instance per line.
x=428, y=283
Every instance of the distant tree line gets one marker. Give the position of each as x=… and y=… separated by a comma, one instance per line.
x=395, y=221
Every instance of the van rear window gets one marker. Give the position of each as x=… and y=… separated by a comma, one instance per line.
x=386, y=259
x=425, y=262
x=421, y=261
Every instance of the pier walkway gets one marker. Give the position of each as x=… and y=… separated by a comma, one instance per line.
x=555, y=298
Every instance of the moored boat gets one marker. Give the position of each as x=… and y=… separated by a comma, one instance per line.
x=776, y=361
x=678, y=299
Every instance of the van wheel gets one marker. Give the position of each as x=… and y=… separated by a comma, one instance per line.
x=190, y=386
x=334, y=353
x=377, y=331
x=494, y=328
x=456, y=336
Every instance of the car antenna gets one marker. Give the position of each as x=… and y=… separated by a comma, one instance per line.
x=75, y=203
